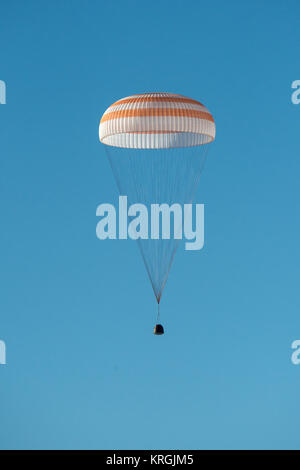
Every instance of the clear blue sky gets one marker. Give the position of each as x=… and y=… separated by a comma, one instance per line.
x=83, y=367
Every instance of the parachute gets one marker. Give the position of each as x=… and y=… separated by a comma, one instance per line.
x=156, y=144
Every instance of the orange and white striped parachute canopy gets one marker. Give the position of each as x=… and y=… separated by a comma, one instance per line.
x=156, y=120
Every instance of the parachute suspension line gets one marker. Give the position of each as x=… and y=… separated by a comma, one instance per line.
x=114, y=171
x=203, y=159
x=200, y=154
x=169, y=175
x=137, y=186
x=146, y=266
x=158, y=313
